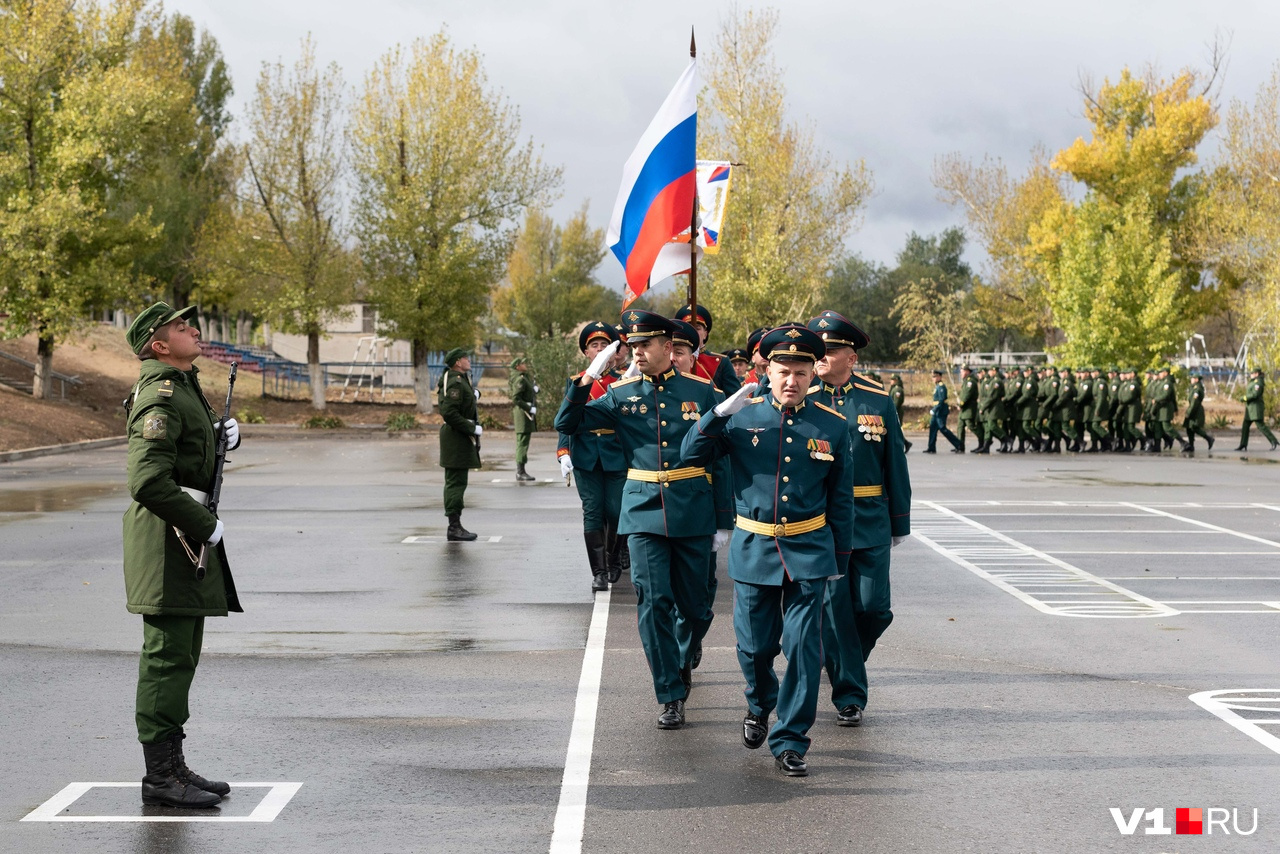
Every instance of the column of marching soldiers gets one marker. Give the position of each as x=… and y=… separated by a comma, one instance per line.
x=783, y=455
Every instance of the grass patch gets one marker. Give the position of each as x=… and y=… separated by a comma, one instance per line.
x=401, y=421
x=323, y=422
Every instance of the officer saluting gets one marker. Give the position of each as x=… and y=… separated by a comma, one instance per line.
x=171, y=460
x=793, y=489
x=667, y=505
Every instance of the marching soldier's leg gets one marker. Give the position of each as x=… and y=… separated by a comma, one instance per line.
x=872, y=605
x=960, y=428
x=1266, y=432
x=615, y=543
x=690, y=557
x=801, y=642
x=651, y=572
x=757, y=622
x=842, y=650
x=1244, y=436
x=591, y=490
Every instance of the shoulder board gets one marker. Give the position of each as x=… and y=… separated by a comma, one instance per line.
x=165, y=389
x=871, y=388
x=826, y=408
x=867, y=379
x=627, y=381
x=696, y=377
x=814, y=389
x=755, y=400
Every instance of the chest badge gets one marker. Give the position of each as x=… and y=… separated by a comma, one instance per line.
x=690, y=408
x=820, y=449
x=872, y=428
x=643, y=409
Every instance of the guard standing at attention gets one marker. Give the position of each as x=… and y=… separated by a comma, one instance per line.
x=969, y=394
x=524, y=414
x=857, y=606
x=172, y=431
x=1255, y=410
x=667, y=506
x=938, y=418
x=599, y=467
x=459, y=437
x=1193, y=420
x=793, y=488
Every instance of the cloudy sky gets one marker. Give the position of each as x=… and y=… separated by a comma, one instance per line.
x=895, y=84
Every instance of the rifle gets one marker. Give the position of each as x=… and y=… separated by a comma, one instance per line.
x=219, y=460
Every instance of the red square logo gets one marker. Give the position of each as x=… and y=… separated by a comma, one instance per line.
x=1189, y=821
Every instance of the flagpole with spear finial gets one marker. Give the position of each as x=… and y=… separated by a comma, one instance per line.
x=693, y=219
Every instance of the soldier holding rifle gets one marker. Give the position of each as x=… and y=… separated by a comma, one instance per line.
x=172, y=435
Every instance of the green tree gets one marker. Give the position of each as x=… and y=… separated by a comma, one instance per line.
x=937, y=323
x=550, y=281
x=441, y=179
x=283, y=245
x=78, y=103
x=791, y=206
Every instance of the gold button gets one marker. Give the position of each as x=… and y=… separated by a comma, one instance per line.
x=666, y=465
x=664, y=444
x=786, y=459
x=784, y=498
x=662, y=406
x=789, y=421
x=666, y=484
x=659, y=388
x=664, y=424
x=788, y=440
x=842, y=402
x=786, y=479
x=784, y=519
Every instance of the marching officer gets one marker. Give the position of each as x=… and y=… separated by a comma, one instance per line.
x=667, y=505
x=1193, y=420
x=172, y=432
x=898, y=395
x=991, y=410
x=1164, y=407
x=857, y=606
x=1101, y=408
x=1085, y=403
x=524, y=412
x=938, y=418
x=970, y=391
x=1026, y=407
x=599, y=467
x=793, y=485
x=1052, y=387
x=1255, y=410
x=711, y=365
x=459, y=436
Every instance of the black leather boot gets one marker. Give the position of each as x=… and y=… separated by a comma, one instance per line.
x=196, y=780
x=613, y=542
x=166, y=785
x=456, y=532
x=596, y=559
x=523, y=476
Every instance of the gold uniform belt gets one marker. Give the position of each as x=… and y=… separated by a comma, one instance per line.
x=787, y=529
x=602, y=432
x=868, y=491
x=663, y=477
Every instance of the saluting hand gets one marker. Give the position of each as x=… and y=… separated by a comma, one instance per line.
x=736, y=401
x=633, y=370
x=601, y=362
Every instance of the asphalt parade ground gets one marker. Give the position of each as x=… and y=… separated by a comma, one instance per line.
x=1079, y=642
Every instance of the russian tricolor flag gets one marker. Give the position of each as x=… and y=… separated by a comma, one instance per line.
x=659, y=184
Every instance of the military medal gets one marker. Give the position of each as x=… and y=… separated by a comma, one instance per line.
x=690, y=408
x=643, y=409
x=820, y=449
x=872, y=427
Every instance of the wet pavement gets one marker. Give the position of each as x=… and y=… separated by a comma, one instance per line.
x=1053, y=620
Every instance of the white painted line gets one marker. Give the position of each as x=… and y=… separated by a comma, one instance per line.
x=1057, y=515
x=1192, y=577
x=429, y=540
x=1142, y=552
x=571, y=813
x=1226, y=703
x=1197, y=522
x=1268, y=507
x=267, y=809
x=1103, y=531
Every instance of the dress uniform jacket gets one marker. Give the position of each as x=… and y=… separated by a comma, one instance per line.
x=969, y=393
x=597, y=448
x=1164, y=399
x=1254, y=400
x=991, y=401
x=650, y=416
x=881, y=482
x=523, y=398
x=171, y=446
x=457, y=404
x=1086, y=399
x=717, y=368
x=1194, y=416
x=1027, y=398
x=790, y=467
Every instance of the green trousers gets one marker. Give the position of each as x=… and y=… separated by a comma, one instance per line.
x=522, y=446
x=170, y=653
x=670, y=575
x=992, y=430
x=970, y=419
x=1194, y=428
x=600, y=491
x=455, y=484
x=841, y=647
x=1262, y=427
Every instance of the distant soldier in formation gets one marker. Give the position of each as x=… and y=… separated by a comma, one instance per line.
x=1193, y=418
x=1099, y=438
x=1026, y=408
x=1149, y=436
x=459, y=437
x=1164, y=400
x=1068, y=409
x=1113, y=404
x=969, y=394
x=1255, y=410
x=1048, y=409
x=898, y=395
x=938, y=418
x=991, y=410
x=524, y=412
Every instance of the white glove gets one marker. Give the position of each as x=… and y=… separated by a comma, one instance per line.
x=476, y=392
x=536, y=389
x=601, y=362
x=479, y=430
x=233, y=432
x=566, y=465
x=737, y=400
x=216, y=536
x=719, y=540
x=897, y=541
x=633, y=370
x=533, y=410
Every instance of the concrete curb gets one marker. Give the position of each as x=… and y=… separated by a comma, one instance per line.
x=49, y=450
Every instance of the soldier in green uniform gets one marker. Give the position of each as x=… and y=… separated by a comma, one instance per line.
x=1085, y=402
x=1255, y=410
x=1151, y=439
x=1130, y=397
x=524, y=414
x=793, y=489
x=1068, y=409
x=970, y=391
x=898, y=395
x=858, y=606
x=1026, y=408
x=459, y=437
x=1193, y=419
x=599, y=467
x=1049, y=412
x=1164, y=406
x=667, y=506
x=172, y=432
x=938, y=418
x=1100, y=438
x=991, y=410
x=1113, y=406
x=1012, y=391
